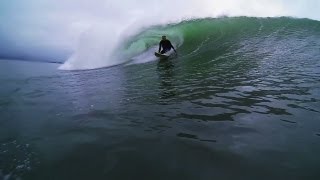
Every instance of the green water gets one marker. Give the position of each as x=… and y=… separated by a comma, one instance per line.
x=241, y=101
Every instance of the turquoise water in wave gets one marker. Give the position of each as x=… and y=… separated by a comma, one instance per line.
x=241, y=101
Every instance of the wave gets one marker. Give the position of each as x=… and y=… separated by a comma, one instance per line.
x=203, y=37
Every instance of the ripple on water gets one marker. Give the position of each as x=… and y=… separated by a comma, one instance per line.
x=195, y=137
x=16, y=160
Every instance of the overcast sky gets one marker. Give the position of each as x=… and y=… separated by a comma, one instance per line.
x=51, y=28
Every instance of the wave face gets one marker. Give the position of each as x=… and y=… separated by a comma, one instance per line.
x=215, y=38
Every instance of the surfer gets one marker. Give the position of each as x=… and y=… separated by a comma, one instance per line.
x=166, y=45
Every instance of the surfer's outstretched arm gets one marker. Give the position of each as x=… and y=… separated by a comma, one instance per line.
x=173, y=48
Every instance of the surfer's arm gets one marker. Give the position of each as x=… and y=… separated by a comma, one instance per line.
x=160, y=46
x=173, y=48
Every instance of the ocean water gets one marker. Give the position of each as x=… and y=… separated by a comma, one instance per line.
x=240, y=101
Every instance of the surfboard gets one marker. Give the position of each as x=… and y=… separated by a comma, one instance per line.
x=161, y=56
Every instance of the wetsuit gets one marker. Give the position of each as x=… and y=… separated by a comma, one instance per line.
x=166, y=46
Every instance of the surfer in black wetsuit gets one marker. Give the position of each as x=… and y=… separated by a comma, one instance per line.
x=166, y=45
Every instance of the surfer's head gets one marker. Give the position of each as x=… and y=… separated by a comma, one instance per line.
x=164, y=37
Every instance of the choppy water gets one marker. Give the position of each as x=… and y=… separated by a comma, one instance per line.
x=242, y=103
